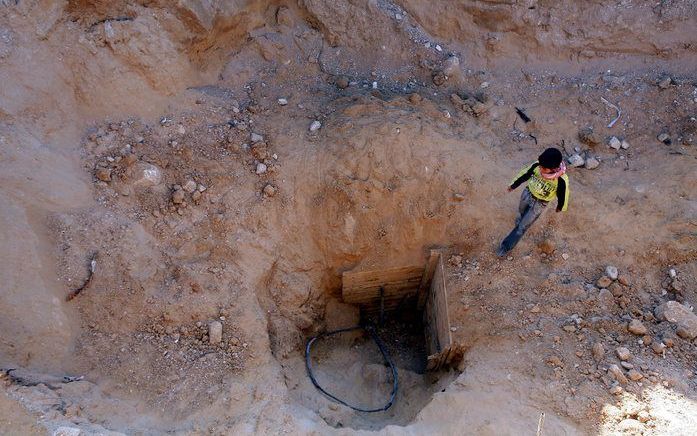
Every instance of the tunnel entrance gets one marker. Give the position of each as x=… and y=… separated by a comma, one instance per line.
x=406, y=308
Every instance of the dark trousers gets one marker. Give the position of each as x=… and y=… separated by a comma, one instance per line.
x=529, y=209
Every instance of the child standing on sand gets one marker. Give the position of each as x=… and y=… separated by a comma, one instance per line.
x=546, y=179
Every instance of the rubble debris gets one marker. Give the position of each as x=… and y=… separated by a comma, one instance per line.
x=178, y=196
x=592, y=163
x=664, y=138
x=678, y=314
x=215, y=332
x=576, y=160
x=315, y=126
x=611, y=272
x=614, y=143
x=587, y=136
x=636, y=327
x=269, y=190
x=103, y=174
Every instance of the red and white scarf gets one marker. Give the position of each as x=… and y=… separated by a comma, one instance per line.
x=557, y=173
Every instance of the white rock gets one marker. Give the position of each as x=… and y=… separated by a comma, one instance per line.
x=145, y=174
x=679, y=314
x=484, y=85
x=565, y=256
x=625, y=144
x=375, y=85
x=398, y=17
x=315, y=126
x=282, y=101
x=439, y=48
x=256, y=138
x=67, y=431
x=215, y=332
x=592, y=163
x=261, y=168
x=611, y=272
x=615, y=143
x=576, y=160
x=201, y=188
x=672, y=273
x=189, y=186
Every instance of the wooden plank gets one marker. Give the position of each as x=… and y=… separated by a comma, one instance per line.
x=364, y=287
x=436, y=316
x=426, y=279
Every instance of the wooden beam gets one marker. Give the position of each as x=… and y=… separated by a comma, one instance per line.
x=364, y=287
x=426, y=279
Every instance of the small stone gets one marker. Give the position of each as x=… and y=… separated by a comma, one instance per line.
x=439, y=78
x=315, y=126
x=458, y=197
x=569, y=328
x=282, y=101
x=611, y=272
x=598, y=351
x=256, y=138
x=554, y=361
x=342, y=82
x=547, y=247
x=624, y=145
x=637, y=327
x=103, y=174
x=269, y=190
x=615, y=289
x=624, y=280
x=665, y=82
x=616, y=390
x=565, y=256
x=681, y=315
x=588, y=136
x=592, y=163
x=201, y=188
x=196, y=196
x=635, y=375
x=615, y=143
x=215, y=332
x=664, y=138
x=189, y=186
x=484, y=85
x=415, y=98
x=623, y=353
x=672, y=273
x=261, y=168
x=647, y=340
x=626, y=365
x=606, y=299
x=603, y=282
x=576, y=160
x=178, y=196
x=658, y=347
x=67, y=431
x=643, y=416
x=669, y=342
x=617, y=373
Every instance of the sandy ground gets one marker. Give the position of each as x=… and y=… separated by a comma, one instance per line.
x=173, y=145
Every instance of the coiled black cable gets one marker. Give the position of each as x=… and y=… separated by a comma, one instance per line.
x=385, y=355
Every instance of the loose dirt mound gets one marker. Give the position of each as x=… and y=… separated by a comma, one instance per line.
x=223, y=163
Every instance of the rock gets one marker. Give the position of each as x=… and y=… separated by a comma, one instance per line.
x=598, y=351
x=647, y=340
x=605, y=299
x=67, y=431
x=665, y=82
x=683, y=333
x=451, y=66
x=576, y=160
x=256, y=138
x=129, y=159
x=554, y=361
x=624, y=145
x=458, y=197
x=587, y=136
x=643, y=416
x=592, y=163
x=679, y=314
x=189, y=186
x=547, y=247
x=623, y=353
x=626, y=365
x=178, y=196
x=669, y=342
x=635, y=375
x=215, y=332
x=664, y=138
x=658, y=347
x=103, y=174
x=617, y=373
x=315, y=126
x=196, y=195
x=282, y=101
x=439, y=78
x=630, y=427
x=415, y=98
x=624, y=280
x=615, y=143
x=616, y=390
x=565, y=256
x=615, y=289
x=611, y=272
x=269, y=190
x=261, y=168
x=637, y=327
x=144, y=174
x=603, y=282
x=342, y=82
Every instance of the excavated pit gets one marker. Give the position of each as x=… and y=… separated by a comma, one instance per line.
x=351, y=366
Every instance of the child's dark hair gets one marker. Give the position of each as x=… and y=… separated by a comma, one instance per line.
x=550, y=158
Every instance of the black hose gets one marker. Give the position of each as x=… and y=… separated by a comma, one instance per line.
x=383, y=350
